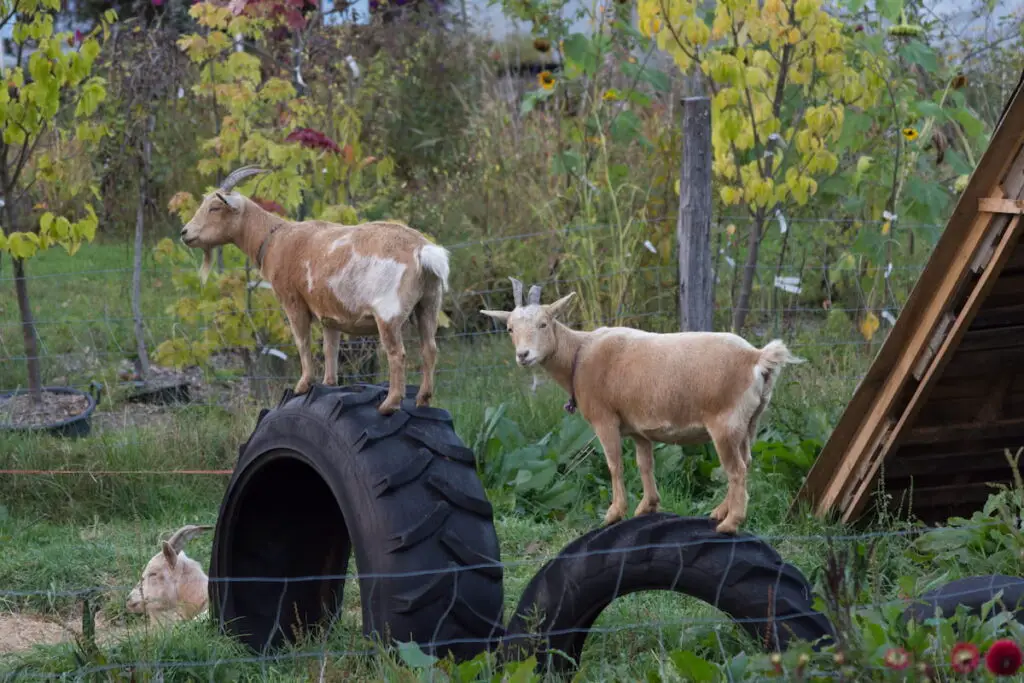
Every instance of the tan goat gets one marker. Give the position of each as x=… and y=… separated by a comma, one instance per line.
x=359, y=279
x=680, y=388
x=173, y=586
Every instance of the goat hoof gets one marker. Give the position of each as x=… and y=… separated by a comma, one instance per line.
x=302, y=387
x=729, y=526
x=646, y=508
x=423, y=401
x=720, y=512
x=389, y=407
x=613, y=515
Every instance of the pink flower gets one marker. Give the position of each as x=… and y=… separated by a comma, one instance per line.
x=1003, y=658
x=965, y=658
x=897, y=658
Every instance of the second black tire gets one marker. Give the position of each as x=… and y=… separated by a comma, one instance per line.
x=740, y=575
x=325, y=473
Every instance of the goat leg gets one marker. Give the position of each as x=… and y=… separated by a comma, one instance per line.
x=332, y=337
x=645, y=463
x=391, y=340
x=299, y=319
x=611, y=442
x=426, y=323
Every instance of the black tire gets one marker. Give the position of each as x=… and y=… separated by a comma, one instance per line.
x=738, y=574
x=324, y=473
x=972, y=591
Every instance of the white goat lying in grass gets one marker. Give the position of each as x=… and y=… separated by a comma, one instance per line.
x=681, y=388
x=173, y=585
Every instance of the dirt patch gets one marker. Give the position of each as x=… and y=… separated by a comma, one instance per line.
x=20, y=411
x=20, y=632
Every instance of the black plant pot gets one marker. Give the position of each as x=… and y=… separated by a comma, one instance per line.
x=161, y=393
x=71, y=428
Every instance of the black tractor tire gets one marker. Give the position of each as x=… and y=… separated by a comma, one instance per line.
x=740, y=575
x=972, y=591
x=325, y=473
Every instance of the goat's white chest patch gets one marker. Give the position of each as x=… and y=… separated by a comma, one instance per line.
x=309, y=276
x=369, y=281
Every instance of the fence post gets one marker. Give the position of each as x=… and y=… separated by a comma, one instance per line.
x=693, y=227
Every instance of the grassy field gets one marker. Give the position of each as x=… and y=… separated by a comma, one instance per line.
x=63, y=533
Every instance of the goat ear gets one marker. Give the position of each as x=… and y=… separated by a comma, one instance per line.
x=233, y=200
x=500, y=316
x=556, y=308
x=169, y=554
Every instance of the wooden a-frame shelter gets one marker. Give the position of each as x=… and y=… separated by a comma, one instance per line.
x=945, y=395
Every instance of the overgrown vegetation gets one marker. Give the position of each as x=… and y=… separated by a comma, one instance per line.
x=843, y=133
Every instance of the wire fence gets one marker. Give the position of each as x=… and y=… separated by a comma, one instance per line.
x=741, y=596
x=814, y=289
x=804, y=278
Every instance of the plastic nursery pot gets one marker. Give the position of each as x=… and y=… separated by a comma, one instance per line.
x=157, y=393
x=71, y=427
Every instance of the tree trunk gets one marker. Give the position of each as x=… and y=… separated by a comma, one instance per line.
x=739, y=313
x=28, y=331
x=142, y=361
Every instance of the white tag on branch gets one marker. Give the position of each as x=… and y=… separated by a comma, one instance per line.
x=259, y=284
x=277, y=353
x=352, y=65
x=181, y=92
x=783, y=225
x=888, y=270
x=788, y=283
x=650, y=247
x=889, y=317
x=728, y=259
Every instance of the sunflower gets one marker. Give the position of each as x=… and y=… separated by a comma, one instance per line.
x=541, y=44
x=910, y=133
x=610, y=95
x=546, y=80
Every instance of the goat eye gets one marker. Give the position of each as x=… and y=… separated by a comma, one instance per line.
x=542, y=325
x=510, y=330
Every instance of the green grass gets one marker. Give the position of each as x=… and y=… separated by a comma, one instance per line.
x=68, y=532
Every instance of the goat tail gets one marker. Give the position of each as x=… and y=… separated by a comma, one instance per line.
x=434, y=258
x=774, y=355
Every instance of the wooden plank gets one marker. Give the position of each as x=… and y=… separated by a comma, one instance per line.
x=964, y=448
x=954, y=494
x=1008, y=283
x=1016, y=262
x=965, y=364
x=693, y=222
x=1006, y=316
x=900, y=468
x=876, y=392
x=997, y=205
x=1008, y=429
x=1006, y=245
x=992, y=338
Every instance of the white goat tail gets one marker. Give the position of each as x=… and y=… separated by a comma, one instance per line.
x=435, y=259
x=774, y=355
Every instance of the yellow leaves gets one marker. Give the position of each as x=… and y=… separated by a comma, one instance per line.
x=869, y=325
x=730, y=195
x=805, y=9
x=793, y=36
x=696, y=31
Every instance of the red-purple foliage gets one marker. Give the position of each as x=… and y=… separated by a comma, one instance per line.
x=269, y=205
x=313, y=139
x=288, y=11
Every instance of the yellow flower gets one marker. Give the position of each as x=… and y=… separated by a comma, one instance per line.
x=611, y=94
x=910, y=134
x=546, y=80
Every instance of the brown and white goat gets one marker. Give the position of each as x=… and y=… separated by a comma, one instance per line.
x=358, y=279
x=173, y=586
x=679, y=388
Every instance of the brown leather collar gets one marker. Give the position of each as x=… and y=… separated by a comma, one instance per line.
x=263, y=246
x=570, y=407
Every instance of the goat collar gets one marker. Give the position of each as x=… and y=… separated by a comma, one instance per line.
x=263, y=246
x=570, y=407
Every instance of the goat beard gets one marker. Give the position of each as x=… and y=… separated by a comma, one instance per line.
x=204, y=270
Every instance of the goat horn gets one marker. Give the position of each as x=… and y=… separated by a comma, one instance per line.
x=238, y=175
x=534, y=296
x=517, y=291
x=185, y=534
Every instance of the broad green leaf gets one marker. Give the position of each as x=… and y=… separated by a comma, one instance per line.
x=958, y=163
x=648, y=74
x=582, y=51
x=414, y=657
x=890, y=9
x=916, y=52
x=692, y=667
x=973, y=127
x=929, y=108
x=567, y=162
x=625, y=127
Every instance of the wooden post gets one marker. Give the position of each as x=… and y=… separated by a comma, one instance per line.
x=693, y=228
